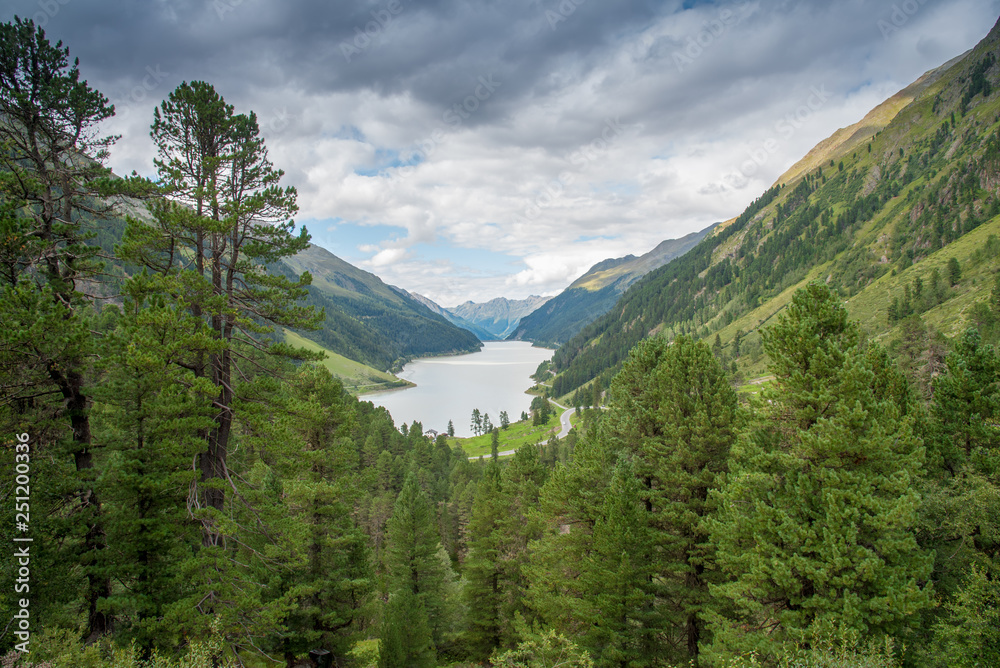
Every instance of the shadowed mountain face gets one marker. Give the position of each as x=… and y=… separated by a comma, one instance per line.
x=908, y=197
x=369, y=321
x=591, y=295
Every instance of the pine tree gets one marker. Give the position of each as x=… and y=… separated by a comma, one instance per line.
x=617, y=578
x=816, y=519
x=967, y=400
x=412, y=555
x=482, y=590
x=150, y=414
x=954, y=272
x=495, y=444
x=54, y=190
x=477, y=422
x=226, y=219
x=569, y=508
x=404, y=636
x=673, y=409
x=330, y=576
x=500, y=529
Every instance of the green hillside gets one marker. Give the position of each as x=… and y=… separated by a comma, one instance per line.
x=356, y=377
x=887, y=201
x=368, y=321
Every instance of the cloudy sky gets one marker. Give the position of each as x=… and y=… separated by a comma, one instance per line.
x=469, y=149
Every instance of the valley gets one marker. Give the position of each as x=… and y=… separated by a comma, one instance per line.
x=241, y=430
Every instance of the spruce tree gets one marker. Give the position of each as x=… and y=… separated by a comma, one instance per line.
x=816, y=521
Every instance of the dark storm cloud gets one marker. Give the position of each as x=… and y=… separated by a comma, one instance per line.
x=600, y=128
x=433, y=50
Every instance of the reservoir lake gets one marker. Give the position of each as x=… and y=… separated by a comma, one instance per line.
x=449, y=388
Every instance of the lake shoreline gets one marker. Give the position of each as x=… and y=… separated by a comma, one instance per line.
x=447, y=388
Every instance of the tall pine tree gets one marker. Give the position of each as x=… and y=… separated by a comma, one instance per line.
x=816, y=518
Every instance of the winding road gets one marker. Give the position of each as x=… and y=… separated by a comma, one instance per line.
x=564, y=427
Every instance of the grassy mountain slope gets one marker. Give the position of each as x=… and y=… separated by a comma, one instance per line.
x=868, y=211
x=368, y=321
x=594, y=293
x=357, y=377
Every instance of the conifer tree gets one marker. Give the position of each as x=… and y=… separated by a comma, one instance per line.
x=404, y=636
x=817, y=517
x=967, y=400
x=500, y=529
x=330, y=577
x=413, y=555
x=569, y=507
x=150, y=414
x=224, y=220
x=53, y=190
x=673, y=409
x=482, y=590
x=617, y=578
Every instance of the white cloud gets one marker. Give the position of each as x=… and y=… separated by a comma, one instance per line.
x=595, y=129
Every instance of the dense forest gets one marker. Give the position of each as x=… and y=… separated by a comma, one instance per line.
x=198, y=493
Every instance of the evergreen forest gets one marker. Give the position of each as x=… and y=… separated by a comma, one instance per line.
x=199, y=493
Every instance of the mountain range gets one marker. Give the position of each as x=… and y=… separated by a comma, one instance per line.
x=898, y=213
x=594, y=293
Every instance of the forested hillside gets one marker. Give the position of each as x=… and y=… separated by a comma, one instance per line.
x=184, y=489
x=594, y=293
x=367, y=320
x=879, y=204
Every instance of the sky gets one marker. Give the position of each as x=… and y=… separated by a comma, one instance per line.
x=472, y=149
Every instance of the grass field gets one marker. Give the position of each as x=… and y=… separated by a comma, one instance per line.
x=518, y=434
x=357, y=377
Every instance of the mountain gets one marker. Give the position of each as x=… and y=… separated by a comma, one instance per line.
x=368, y=321
x=594, y=293
x=898, y=213
x=481, y=334
x=498, y=317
